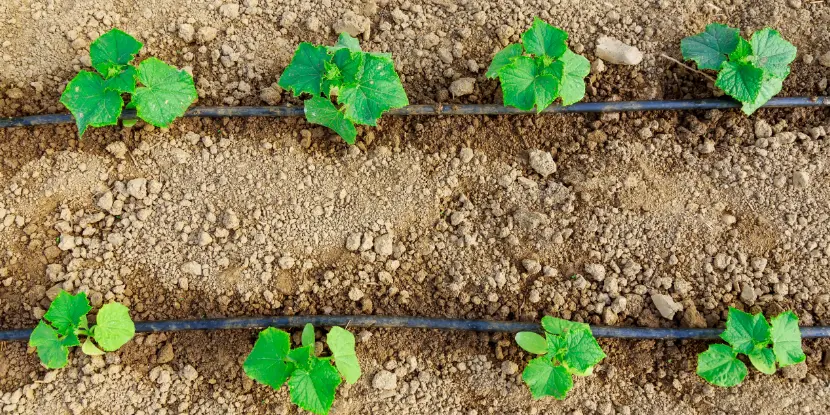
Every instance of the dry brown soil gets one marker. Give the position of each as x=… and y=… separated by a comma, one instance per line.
x=253, y=216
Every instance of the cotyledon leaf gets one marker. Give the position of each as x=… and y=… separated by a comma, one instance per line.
x=341, y=342
x=113, y=327
x=531, y=342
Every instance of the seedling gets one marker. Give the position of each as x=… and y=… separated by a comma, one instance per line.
x=751, y=335
x=750, y=71
x=365, y=85
x=312, y=380
x=568, y=348
x=159, y=93
x=66, y=320
x=540, y=69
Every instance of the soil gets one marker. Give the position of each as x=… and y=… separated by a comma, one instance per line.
x=427, y=216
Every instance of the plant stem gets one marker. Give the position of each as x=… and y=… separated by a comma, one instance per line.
x=704, y=74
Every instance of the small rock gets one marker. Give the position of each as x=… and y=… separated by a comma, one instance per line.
x=466, y=155
x=206, y=34
x=355, y=294
x=67, y=242
x=462, y=86
x=595, y=270
x=762, y=129
x=597, y=66
x=383, y=245
x=203, y=239
x=529, y=220
x=801, y=179
x=118, y=149
x=186, y=32
x=189, y=373
x=353, y=24
x=287, y=262
x=824, y=60
x=532, y=266
x=708, y=147
x=795, y=4
x=230, y=220
x=230, y=10
x=748, y=294
x=542, y=162
x=795, y=372
x=614, y=51
x=666, y=305
x=165, y=355
x=192, y=268
x=353, y=242
x=272, y=95
x=509, y=368
x=385, y=380
x=691, y=317
x=105, y=201
x=137, y=188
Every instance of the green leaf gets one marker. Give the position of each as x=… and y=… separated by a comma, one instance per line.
x=544, y=379
x=559, y=326
x=89, y=348
x=583, y=352
x=66, y=311
x=557, y=346
x=51, y=352
x=90, y=103
x=526, y=83
x=746, y=332
x=166, y=93
x=786, y=339
x=763, y=360
x=772, y=53
x=350, y=64
x=542, y=39
x=124, y=82
x=341, y=343
x=741, y=52
x=531, y=342
x=503, y=58
x=70, y=340
x=308, y=335
x=302, y=357
x=113, y=327
x=573, y=77
x=345, y=41
x=769, y=88
x=742, y=81
x=313, y=389
x=110, y=52
x=719, y=366
x=375, y=90
x=319, y=110
x=710, y=48
x=305, y=72
x=266, y=362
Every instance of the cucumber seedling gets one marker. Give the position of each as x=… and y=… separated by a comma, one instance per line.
x=66, y=320
x=568, y=348
x=159, y=93
x=751, y=335
x=540, y=69
x=365, y=85
x=751, y=71
x=312, y=380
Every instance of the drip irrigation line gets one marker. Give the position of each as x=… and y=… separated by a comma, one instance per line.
x=449, y=109
x=415, y=323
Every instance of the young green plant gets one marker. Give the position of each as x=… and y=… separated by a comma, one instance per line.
x=66, y=321
x=751, y=335
x=568, y=348
x=158, y=92
x=364, y=84
x=312, y=380
x=751, y=71
x=540, y=69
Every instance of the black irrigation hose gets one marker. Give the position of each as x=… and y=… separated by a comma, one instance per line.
x=449, y=109
x=415, y=323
